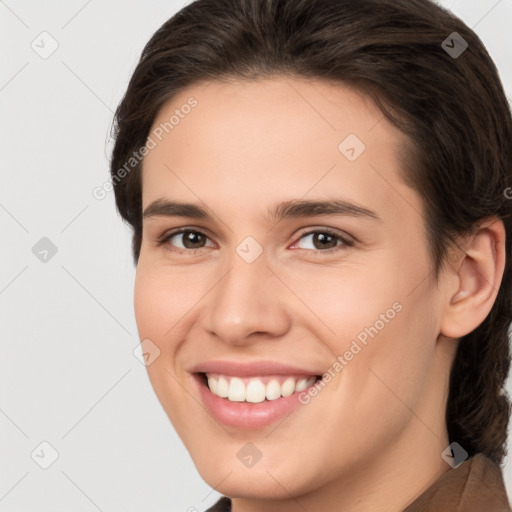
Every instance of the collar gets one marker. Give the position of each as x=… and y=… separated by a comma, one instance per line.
x=474, y=486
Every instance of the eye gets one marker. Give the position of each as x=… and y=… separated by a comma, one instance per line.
x=185, y=240
x=323, y=241
x=317, y=241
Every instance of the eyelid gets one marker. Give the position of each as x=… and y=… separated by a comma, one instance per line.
x=346, y=239
x=166, y=235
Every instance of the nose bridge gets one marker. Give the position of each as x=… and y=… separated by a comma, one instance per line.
x=245, y=300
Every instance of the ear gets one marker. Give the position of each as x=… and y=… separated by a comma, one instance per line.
x=474, y=285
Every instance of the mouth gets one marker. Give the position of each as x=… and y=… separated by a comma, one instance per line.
x=255, y=389
x=253, y=402
x=252, y=394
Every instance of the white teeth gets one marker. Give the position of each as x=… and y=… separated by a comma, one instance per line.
x=288, y=386
x=273, y=390
x=212, y=384
x=255, y=391
x=301, y=385
x=234, y=389
x=222, y=387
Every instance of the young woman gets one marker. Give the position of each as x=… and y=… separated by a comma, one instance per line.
x=319, y=193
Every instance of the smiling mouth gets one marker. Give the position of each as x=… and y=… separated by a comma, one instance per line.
x=256, y=389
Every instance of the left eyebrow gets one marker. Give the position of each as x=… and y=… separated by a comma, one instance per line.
x=295, y=208
x=301, y=208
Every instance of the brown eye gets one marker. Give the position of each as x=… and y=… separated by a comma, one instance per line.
x=322, y=241
x=193, y=239
x=186, y=239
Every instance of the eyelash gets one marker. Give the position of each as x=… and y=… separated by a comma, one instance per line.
x=163, y=239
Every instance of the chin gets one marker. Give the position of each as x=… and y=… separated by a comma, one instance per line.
x=250, y=483
x=274, y=477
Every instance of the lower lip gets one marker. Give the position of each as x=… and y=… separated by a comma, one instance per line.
x=245, y=414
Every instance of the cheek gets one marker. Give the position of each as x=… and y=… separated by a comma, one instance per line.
x=379, y=317
x=157, y=312
x=162, y=299
x=339, y=303
x=141, y=300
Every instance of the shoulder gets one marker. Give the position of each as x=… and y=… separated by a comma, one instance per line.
x=223, y=505
x=476, y=485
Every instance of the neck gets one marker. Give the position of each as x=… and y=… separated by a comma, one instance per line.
x=387, y=478
x=387, y=484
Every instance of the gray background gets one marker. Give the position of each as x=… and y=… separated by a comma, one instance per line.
x=69, y=376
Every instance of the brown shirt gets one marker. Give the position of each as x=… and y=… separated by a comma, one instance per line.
x=474, y=486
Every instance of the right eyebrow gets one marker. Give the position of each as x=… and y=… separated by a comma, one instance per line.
x=166, y=208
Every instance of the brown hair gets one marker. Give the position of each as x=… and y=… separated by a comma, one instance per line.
x=452, y=108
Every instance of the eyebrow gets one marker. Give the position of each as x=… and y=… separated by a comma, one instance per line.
x=295, y=208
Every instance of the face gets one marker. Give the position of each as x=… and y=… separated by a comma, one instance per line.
x=284, y=264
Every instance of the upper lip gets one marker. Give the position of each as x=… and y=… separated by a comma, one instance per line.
x=250, y=369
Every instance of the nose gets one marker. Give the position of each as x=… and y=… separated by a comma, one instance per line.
x=247, y=304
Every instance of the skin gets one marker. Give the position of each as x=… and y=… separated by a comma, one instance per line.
x=372, y=438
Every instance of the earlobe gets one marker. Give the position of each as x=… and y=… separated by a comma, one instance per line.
x=477, y=280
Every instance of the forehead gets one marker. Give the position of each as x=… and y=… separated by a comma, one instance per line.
x=256, y=142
